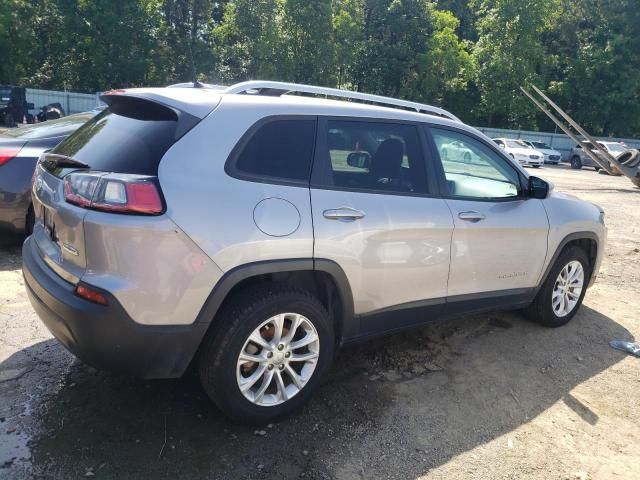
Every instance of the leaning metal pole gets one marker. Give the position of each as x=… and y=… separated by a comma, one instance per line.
x=571, y=134
x=611, y=164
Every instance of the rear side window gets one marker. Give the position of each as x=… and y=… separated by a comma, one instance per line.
x=280, y=150
x=130, y=136
x=375, y=156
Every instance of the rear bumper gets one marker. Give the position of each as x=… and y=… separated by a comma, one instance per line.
x=105, y=336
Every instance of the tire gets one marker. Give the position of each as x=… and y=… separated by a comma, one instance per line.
x=220, y=368
x=9, y=121
x=30, y=221
x=542, y=308
x=576, y=163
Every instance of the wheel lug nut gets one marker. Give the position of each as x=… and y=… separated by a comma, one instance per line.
x=270, y=354
x=281, y=366
x=270, y=367
x=280, y=347
x=287, y=355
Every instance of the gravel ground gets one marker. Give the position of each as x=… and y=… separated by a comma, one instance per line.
x=487, y=396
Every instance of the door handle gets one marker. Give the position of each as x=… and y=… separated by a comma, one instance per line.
x=343, y=213
x=471, y=216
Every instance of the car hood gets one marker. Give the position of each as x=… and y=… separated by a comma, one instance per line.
x=524, y=151
x=11, y=143
x=548, y=151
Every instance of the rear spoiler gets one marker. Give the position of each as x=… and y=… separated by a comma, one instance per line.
x=137, y=104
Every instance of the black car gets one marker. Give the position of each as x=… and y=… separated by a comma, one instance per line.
x=20, y=149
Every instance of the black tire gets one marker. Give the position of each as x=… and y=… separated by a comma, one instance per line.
x=235, y=322
x=30, y=221
x=9, y=120
x=541, y=310
x=576, y=163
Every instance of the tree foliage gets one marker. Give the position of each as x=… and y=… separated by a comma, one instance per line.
x=468, y=56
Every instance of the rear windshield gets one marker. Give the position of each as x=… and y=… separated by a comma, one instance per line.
x=130, y=136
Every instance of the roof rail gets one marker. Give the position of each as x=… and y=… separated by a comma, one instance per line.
x=259, y=87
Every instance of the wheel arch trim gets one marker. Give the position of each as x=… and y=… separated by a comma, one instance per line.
x=242, y=272
x=585, y=235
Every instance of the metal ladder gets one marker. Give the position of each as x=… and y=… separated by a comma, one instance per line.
x=627, y=164
x=276, y=89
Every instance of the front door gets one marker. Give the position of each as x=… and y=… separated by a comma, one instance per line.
x=499, y=240
x=374, y=216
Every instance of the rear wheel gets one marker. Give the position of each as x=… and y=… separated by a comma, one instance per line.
x=576, y=163
x=272, y=347
x=562, y=292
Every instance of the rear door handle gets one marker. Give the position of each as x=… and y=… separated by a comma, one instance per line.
x=343, y=213
x=471, y=216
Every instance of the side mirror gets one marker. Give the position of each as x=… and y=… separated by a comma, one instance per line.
x=537, y=188
x=359, y=159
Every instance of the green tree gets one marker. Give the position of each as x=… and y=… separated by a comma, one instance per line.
x=307, y=32
x=349, y=38
x=396, y=32
x=249, y=41
x=595, y=64
x=445, y=69
x=510, y=53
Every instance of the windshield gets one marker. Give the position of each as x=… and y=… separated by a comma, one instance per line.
x=541, y=145
x=516, y=144
x=616, y=147
x=52, y=128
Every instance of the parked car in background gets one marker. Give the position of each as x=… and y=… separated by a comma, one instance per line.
x=578, y=158
x=551, y=156
x=311, y=224
x=14, y=107
x=20, y=149
x=455, y=151
x=521, y=152
x=52, y=111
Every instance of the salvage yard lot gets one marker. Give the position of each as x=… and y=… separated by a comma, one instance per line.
x=484, y=396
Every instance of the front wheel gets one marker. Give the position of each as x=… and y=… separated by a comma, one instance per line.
x=272, y=347
x=562, y=292
x=576, y=163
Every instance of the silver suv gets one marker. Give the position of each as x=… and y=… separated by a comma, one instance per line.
x=578, y=158
x=255, y=232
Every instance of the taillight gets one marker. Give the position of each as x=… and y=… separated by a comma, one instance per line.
x=120, y=193
x=7, y=154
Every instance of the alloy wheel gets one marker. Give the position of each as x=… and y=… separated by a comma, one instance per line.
x=567, y=288
x=278, y=359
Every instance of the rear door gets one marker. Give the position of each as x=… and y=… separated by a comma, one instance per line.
x=500, y=236
x=374, y=215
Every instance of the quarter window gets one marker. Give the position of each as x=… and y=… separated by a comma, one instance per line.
x=472, y=169
x=279, y=149
x=375, y=156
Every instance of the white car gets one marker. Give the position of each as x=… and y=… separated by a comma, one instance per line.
x=520, y=151
x=550, y=155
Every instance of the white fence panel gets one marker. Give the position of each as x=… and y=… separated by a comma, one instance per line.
x=558, y=141
x=71, y=102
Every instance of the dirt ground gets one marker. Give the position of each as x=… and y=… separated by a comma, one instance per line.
x=487, y=396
